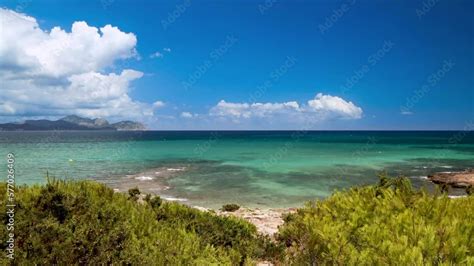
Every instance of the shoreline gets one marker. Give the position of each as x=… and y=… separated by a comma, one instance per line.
x=266, y=219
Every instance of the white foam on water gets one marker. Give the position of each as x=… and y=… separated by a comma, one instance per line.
x=174, y=199
x=144, y=178
x=201, y=208
x=446, y=166
x=423, y=177
x=175, y=169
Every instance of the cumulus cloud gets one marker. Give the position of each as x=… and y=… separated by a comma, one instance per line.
x=334, y=106
x=158, y=104
x=246, y=110
x=187, y=115
x=321, y=107
x=168, y=50
x=56, y=72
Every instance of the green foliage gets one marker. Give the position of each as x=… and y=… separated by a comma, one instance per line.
x=378, y=225
x=230, y=207
x=133, y=193
x=86, y=223
x=235, y=235
x=155, y=202
x=70, y=223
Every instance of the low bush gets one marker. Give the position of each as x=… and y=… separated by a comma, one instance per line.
x=69, y=223
x=230, y=207
x=133, y=193
x=379, y=225
x=238, y=237
x=86, y=223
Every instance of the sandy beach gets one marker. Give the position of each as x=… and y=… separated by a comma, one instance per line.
x=267, y=221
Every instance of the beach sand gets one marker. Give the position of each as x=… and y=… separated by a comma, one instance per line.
x=267, y=221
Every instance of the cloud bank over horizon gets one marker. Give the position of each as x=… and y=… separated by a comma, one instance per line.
x=57, y=73
x=320, y=108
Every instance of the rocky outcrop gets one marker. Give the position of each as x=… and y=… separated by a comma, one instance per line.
x=454, y=179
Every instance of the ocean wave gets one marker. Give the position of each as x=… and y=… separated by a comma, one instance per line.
x=173, y=198
x=175, y=169
x=144, y=178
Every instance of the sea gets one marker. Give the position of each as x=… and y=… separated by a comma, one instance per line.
x=259, y=169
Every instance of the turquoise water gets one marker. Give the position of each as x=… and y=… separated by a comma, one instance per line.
x=258, y=169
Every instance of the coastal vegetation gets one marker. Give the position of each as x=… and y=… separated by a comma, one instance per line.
x=84, y=222
x=390, y=223
x=230, y=207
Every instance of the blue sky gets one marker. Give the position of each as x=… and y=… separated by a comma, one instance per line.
x=377, y=64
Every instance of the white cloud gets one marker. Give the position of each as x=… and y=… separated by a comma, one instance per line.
x=187, y=115
x=246, y=110
x=156, y=55
x=334, y=106
x=57, y=52
x=321, y=107
x=158, y=104
x=168, y=50
x=57, y=72
x=406, y=112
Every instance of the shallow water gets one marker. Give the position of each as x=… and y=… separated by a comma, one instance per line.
x=253, y=168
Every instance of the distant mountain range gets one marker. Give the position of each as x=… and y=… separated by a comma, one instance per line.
x=72, y=122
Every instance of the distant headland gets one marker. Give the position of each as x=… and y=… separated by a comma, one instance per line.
x=72, y=122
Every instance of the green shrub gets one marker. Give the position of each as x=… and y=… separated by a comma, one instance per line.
x=155, y=202
x=86, y=223
x=230, y=207
x=235, y=235
x=133, y=193
x=378, y=225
